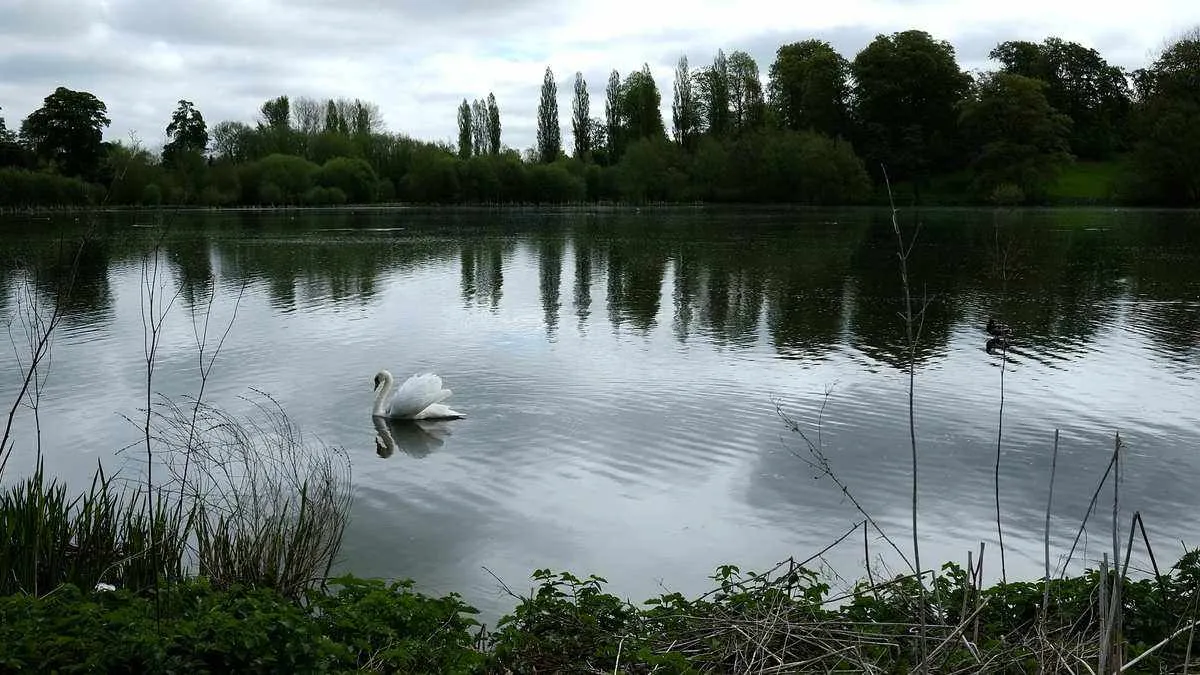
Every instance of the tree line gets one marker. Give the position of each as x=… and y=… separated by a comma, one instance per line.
x=817, y=129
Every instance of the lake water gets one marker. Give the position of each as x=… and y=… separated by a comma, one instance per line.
x=620, y=371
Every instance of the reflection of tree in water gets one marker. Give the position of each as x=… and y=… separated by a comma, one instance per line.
x=191, y=257
x=74, y=272
x=686, y=267
x=1163, y=281
x=482, y=270
x=550, y=261
x=636, y=270
x=584, y=260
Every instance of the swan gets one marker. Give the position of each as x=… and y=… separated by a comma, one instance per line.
x=419, y=398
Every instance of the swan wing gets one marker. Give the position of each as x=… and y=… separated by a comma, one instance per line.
x=416, y=394
x=438, y=411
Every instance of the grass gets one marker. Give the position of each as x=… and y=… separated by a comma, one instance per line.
x=1089, y=182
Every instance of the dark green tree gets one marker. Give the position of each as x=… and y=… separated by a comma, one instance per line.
x=493, y=125
x=640, y=106
x=276, y=113
x=712, y=85
x=549, y=133
x=612, y=116
x=907, y=93
x=334, y=122
x=1081, y=84
x=581, y=121
x=808, y=88
x=232, y=140
x=1020, y=140
x=11, y=152
x=187, y=132
x=684, y=116
x=747, y=108
x=479, y=128
x=1167, y=156
x=465, y=135
x=67, y=132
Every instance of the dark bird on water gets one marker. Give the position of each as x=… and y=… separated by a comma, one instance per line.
x=996, y=343
x=998, y=329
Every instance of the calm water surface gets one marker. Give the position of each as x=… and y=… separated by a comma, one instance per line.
x=620, y=373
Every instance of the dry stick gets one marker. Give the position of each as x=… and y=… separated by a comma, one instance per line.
x=1046, y=536
x=903, y=254
x=1115, y=617
x=1102, y=664
x=1190, y=627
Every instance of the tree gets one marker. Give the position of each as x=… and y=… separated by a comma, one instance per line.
x=465, y=136
x=641, y=111
x=908, y=88
x=308, y=115
x=276, y=113
x=713, y=86
x=1095, y=95
x=1020, y=140
x=334, y=122
x=230, y=141
x=67, y=132
x=549, y=134
x=187, y=132
x=581, y=121
x=1167, y=156
x=11, y=152
x=493, y=125
x=612, y=116
x=683, y=106
x=479, y=128
x=746, y=106
x=808, y=88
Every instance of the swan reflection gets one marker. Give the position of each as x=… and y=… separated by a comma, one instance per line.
x=414, y=438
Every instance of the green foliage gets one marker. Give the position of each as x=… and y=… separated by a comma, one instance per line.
x=66, y=133
x=809, y=89
x=907, y=90
x=549, y=134
x=465, y=136
x=194, y=627
x=1079, y=84
x=1167, y=156
x=21, y=188
x=102, y=535
x=391, y=628
x=187, y=132
x=354, y=178
x=1022, y=141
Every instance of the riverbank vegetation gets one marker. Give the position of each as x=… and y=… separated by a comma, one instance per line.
x=1053, y=123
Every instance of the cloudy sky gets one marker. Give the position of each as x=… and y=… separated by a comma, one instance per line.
x=417, y=59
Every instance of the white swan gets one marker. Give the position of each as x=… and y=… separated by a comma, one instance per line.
x=419, y=398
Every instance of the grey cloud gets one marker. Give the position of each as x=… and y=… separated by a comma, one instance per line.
x=48, y=18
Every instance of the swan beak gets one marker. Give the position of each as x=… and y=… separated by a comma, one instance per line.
x=376, y=384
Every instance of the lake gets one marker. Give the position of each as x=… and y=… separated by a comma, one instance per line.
x=620, y=371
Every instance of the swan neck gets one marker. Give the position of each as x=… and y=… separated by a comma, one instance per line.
x=382, y=396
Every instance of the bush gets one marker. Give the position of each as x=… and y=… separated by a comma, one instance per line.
x=365, y=626
x=21, y=188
